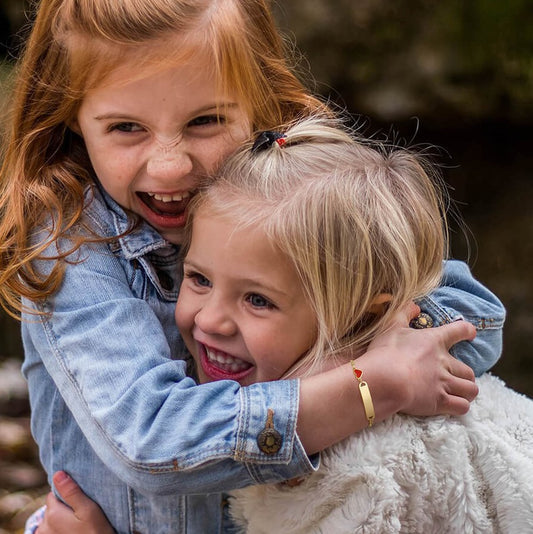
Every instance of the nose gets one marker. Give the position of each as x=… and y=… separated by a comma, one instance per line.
x=215, y=318
x=169, y=161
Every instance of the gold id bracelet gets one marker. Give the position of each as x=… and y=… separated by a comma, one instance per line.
x=365, y=394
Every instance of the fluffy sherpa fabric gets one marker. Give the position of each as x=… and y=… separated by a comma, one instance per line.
x=469, y=474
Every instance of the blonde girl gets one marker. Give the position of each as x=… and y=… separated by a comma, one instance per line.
x=120, y=108
x=352, y=231
x=362, y=228
x=302, y=251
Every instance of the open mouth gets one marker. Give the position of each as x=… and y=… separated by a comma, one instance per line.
x=219, y=365
x=165, y=205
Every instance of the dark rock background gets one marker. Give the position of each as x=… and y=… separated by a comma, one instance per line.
x=454, y=74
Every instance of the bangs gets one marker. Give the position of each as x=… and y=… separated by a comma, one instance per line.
x=243, y=58
x=236, y=40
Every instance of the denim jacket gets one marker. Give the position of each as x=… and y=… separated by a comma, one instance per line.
x=113, y=405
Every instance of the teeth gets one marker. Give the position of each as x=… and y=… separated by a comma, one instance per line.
x=225, y=361
x=177, y=197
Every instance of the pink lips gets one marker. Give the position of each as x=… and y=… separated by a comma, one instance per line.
x=214, y=371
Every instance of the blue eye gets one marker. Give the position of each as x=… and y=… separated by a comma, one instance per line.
x=258, y=301
x=201, y=280
x=198, y=279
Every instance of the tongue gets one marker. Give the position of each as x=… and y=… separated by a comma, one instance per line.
x=170, y=209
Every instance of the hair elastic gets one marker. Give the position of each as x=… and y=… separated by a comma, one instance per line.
x=266, y=139
x=365, y=394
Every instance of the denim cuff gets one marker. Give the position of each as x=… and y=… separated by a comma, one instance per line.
x=271, y=408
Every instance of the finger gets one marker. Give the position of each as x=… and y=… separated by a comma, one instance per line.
x=455, y=406
x=461, y=370
x=52, y=500
x=464, y=388
x=457, y=331
x=72, y=494
x=411, y=311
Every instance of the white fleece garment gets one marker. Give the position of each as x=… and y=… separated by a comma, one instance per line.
x=469, y=474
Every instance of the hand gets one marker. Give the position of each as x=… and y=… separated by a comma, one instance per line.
x=418, y=368
x=83, y=517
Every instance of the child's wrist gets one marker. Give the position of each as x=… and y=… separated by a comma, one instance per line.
x=390, y=390
x=366, y=396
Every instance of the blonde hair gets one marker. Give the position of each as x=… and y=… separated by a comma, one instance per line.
x=73, y=45
x=357, y=219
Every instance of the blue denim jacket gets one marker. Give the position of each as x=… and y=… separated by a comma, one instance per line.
x=113, y=406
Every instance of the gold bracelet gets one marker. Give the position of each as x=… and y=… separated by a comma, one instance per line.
x=365, y=394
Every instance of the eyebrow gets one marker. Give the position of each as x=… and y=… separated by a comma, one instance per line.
x=112, y=115
x=207, y=109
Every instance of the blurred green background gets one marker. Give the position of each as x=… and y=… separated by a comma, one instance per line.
x=451, y=73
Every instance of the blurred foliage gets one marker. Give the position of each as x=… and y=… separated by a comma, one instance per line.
x=436, y=58
x=13, y=18
x=392, y=59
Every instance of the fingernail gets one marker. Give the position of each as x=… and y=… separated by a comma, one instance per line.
x=60, y=477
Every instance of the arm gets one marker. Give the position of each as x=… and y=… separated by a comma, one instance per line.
x=460, y=296
x=109, y=358
x=406, y=372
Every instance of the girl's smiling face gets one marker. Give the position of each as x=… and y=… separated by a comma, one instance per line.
x=152, y=138
x=241, y=309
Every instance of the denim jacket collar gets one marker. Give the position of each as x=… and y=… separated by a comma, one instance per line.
x=140, y=241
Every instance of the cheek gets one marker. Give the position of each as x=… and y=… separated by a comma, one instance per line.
x=112, y=164
x=184, y=313
x=212, y=155
x=179, y=315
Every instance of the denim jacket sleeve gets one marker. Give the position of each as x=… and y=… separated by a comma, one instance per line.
x=460, y=296
x=150, y=424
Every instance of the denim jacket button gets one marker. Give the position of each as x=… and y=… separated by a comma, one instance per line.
x=269, y=439
x=422, y=320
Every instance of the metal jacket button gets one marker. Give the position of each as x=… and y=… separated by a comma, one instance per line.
x=269, y=439
x=422, y=320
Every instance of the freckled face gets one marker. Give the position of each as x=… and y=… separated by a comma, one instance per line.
x=241, y=309
x=151, y=139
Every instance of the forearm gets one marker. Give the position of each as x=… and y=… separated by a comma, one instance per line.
x=105, y=363
x=330, y=413
x=193, y=439
x=409, y=371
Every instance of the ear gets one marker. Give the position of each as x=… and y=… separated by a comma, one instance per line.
x=379, y=304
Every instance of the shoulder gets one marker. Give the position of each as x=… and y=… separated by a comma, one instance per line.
x=97, y=215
